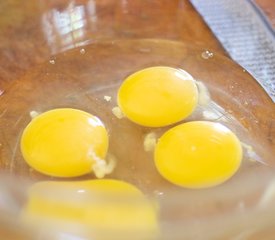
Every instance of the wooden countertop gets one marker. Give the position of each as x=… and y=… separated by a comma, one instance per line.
x=23, y=41
x=268, y=8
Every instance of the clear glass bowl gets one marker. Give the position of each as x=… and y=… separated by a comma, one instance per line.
x=81, y=77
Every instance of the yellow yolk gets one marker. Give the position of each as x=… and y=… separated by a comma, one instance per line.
x=101, y=207
x=198, y=154
x=64, y=142
x=158, y=96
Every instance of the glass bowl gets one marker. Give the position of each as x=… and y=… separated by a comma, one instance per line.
x=82, y=78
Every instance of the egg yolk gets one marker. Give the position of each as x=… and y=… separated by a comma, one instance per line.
x=198, y=154
x=101, y=207
x=158, y=96
x=64, y=142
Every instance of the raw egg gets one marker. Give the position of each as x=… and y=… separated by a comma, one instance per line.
x=158, y=96
x=64, y=142
x=198, y=154
x=100, y=208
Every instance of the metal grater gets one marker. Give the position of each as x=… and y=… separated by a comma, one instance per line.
x=246, y=35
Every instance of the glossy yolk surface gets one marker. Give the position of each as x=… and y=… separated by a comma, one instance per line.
x=64, y=142
x=158, y=96
x=101, y=206
x=198, y=154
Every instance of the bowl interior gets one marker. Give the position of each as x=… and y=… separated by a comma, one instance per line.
x=82, y=77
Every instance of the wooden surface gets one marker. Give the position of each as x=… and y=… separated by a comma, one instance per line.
x=24, y=41
x=268, y=8
x=30, y=35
